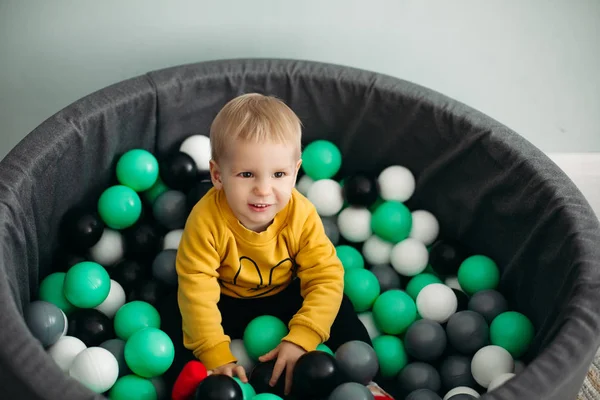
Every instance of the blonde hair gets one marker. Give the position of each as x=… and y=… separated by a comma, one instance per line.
x=257, y=118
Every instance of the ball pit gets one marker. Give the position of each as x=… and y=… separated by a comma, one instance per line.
x=460, y=197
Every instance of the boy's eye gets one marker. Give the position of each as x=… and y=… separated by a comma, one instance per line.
x=246, y=174
x=279, y=174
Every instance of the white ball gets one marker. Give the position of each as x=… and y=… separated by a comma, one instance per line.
x=436, y=302
x=377, y=251
x=96, y=368
x=489, y=363
x=239, y=351
x=396, y=183
x=354, y=224
x=66, y=323
x=64, y=351
x=115, y=300
x=462, y=390
x=326, y=195
x=409, y=257
x=425, y=227
x=304, y=183
x=172, y=239
x=500, y=380
x=452, y=283
x=198, y=147
x=368, y=321
x=109, y=249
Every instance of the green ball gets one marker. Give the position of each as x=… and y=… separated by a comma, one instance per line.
x=86, y=284
x=52, y=291
x=247, y=389
x=119, y=207
x=135, y=316
x=266, y=396
x=263, y=334
x=325, y=348
x=392, y=221
x=362, y=288
x=478, y=273
x=132, y=387
x=155, y=191
x=149, y=352
x=391, y=355
x=512, y=331
x=418, y=282
x=321, y=159
x=394, y=311
x=137, y=169
x=350, y=257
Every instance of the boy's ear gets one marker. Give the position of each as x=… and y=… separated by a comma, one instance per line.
x=215, y=175
x=298, y=164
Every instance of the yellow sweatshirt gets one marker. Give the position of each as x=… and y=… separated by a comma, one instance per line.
x=218, y=255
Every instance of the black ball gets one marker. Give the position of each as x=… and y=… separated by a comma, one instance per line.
x=64, y=259
x=81, y=229
x=218, y=387
x=425, y=340
x=128, y=273
x=419, y=375
x=462, y=300
x=148, y=290
x=316, y=374
x=423, y=394
x=198, y=190
x=91, y=326
x=178, y=171
x=142, y=241
x=467, y=332
x=456, y=371
x=489, y=303
x=261, y=376
x=445, y=257
x=361, y=190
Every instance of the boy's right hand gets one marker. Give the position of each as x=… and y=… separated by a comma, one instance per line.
x=231, y=369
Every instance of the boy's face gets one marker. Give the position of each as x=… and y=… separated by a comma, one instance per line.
x=257, y=178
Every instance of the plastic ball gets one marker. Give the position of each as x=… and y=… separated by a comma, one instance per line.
x=425, y=227
x=133, y=387
x=455, y=371
x=80, y=228
x=316, y=374
x=115, y=299
x=198, y=147
x=149, y=352
x=425, y=340
x=409, y=257
x=331, y=230
x=260, y=376
x=128, y=273
x=170, y=209
x=218, y=387
x=135, y=316
x=119, y=207
x=87, y=284
x=423, y=394
x=436, y=302
x=109, y=249
x=489, y=303
x=391, y=221
x=452, y=282
x=239, y=352
x=369, y=323
x=196, y=193
x=354, y=224
x=419, y=375
x=500, y=380
x=465, y=391
x=64, y=351
x=141, y=240
x=490, y=362
x=358, y=361
x=321, y=159
x=394, y=311
x=263, y=334
x=362, y=288
x=150, y=291
x=361, y=190
x=95, y=368
x=248, y=392
x=266, y=396
x=91, y=326
x=172, y=239
x=391, y=355
x=137, y=169
x=445, y=257
x=350, y=391
x=512, y=331
x=388, y=278
x=325, y=348
x=467, y=332
x=396, y=183
x=304, y=184
x=163, y=267
x=478, y=273
x=418, y=282
x=52, y=290
x=377, y=251
x=117, y=348
x=326, y=196
x=156, y=190
x=350, y=257
x=179, y=171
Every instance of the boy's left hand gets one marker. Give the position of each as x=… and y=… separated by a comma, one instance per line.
x=287, y=353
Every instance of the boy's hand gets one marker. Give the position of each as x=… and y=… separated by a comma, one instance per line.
x=287, y=353
x=231, y=369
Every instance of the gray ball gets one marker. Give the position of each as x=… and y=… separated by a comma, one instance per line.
x=419, y=375
x=455, y=371
x=387, y=276
x=423, y=394
x=45, y=321
x=489, y=303
x=161, y=387
x=331, y=230
x=117, y=348
x=467, y=332
x=462, y=396
x=351, y=391
x=358, y=361
x=170, y=209
x=425, y=340
x=163, y=267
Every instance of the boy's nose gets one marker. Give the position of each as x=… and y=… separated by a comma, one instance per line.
x=262, y=188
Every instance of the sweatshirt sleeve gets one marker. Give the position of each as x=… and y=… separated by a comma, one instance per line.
x=197, y=262
x=321, y=283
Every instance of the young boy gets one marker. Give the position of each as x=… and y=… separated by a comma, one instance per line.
x=253, y=245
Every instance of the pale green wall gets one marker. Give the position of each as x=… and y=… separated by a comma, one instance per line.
x=533, y=65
